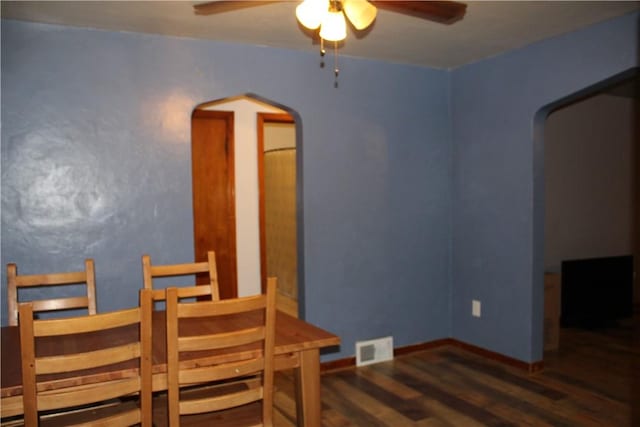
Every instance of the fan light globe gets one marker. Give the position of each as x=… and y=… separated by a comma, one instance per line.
x=334, y=26
x=361, y=13
x=311, y=12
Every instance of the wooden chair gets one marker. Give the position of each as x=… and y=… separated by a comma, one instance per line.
x=234, y=371
x=15, y=282
x=72, y=404
x=149, y=272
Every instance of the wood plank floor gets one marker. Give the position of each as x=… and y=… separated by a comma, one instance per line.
x=592, y=380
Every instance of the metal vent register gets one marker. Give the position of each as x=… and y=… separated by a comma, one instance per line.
x=374, y=351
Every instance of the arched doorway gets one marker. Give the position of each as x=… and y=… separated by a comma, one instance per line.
x=587, y=233
x=230, y=183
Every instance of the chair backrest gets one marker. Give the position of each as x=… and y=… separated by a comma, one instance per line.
x=150, y=271
x=90, y=352
x=86, y=277
x=260, y=363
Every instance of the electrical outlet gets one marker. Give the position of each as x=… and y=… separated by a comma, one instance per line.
x=475, y=308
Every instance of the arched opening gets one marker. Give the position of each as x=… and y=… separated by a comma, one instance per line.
x=586, y=184
x=235, y=186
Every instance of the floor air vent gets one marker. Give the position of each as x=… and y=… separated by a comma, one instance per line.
x=374, y=351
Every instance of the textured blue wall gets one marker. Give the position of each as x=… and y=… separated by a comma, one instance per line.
x=499, y=106
x=96, y=163
x=402, y=167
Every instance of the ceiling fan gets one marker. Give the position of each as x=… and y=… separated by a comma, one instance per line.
x=331, y=16
x=361, y=13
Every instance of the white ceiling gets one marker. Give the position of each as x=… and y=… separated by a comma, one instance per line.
x=488, y=28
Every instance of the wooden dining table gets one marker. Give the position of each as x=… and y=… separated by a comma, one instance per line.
x=297, y=347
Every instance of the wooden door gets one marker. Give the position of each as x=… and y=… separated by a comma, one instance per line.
x=214, y=217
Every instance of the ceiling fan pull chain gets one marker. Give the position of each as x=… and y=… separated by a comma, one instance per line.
x=322, y=52
x=336, y=70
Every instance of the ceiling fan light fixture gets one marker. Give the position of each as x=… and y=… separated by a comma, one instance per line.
x=361, y=13
x=330, y=16
x=310, y=13
x=334, y=26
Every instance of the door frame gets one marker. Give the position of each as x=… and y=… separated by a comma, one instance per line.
x=263, y=118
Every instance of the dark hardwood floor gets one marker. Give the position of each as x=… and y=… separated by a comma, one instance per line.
x=592, y=380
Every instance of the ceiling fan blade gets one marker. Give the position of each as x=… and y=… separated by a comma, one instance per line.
x=220, y=6
x=361, y=13
x=444, y=12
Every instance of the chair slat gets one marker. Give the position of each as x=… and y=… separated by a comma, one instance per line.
x=51, y=279
x=198, y=406
x=81, y=395
x=111, y=414
x=220, y=372
x=185, y=292
x=222, y=307
x=223, y=340
x=11, y=406
x=60, y=304
x=179, y=269
x=84, y=324
x=88, y=360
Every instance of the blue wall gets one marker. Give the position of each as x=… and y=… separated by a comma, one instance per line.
x=423, y=189
x=499, y=107
x=96, y=163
